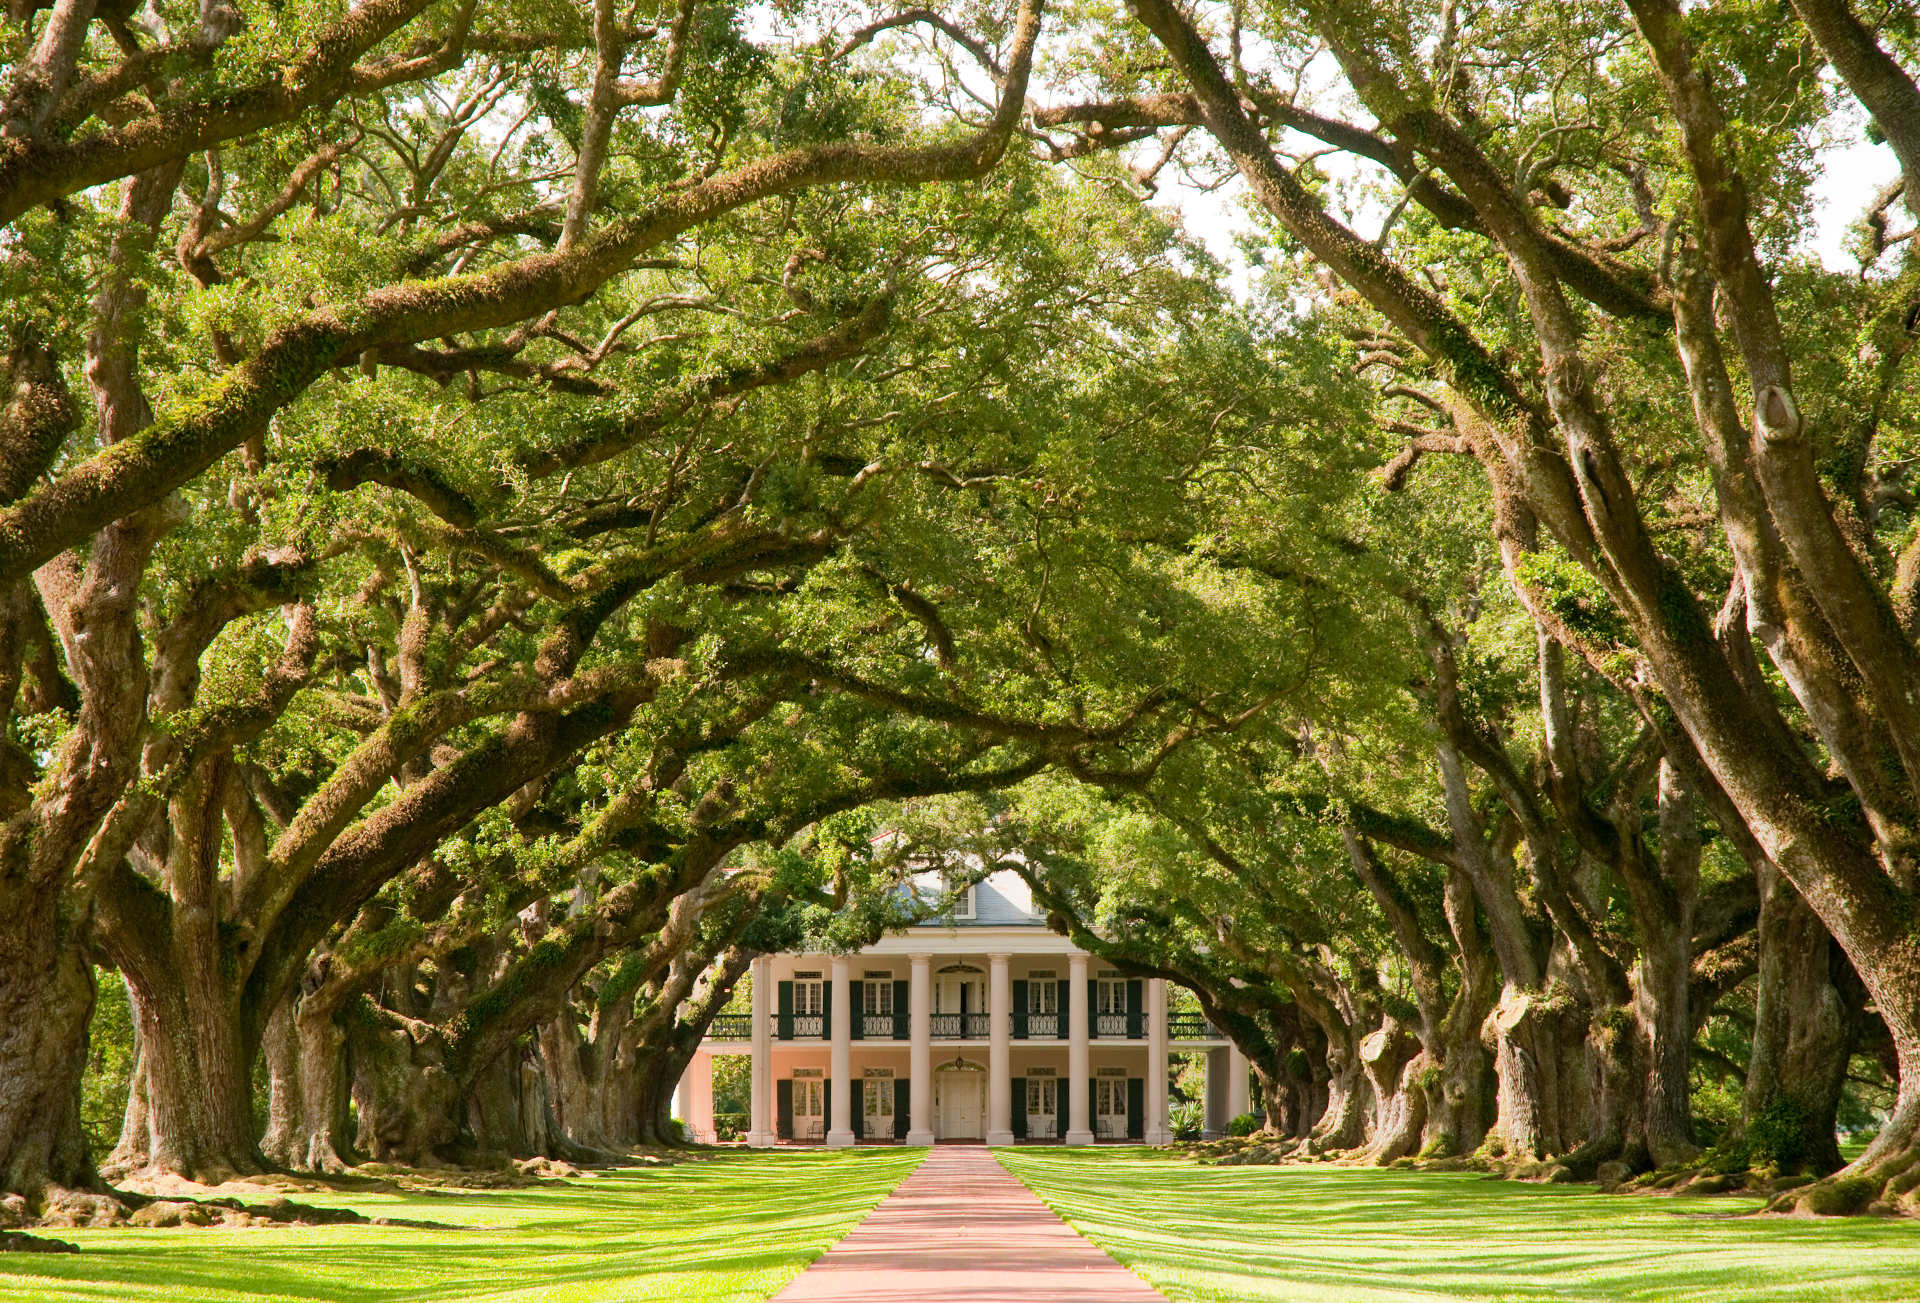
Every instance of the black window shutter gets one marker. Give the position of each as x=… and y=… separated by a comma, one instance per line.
x=1093, y=1104
x=859, y=1110
x=902, y=1101
x=786, y=1011
x=1093, y=1007
x=826, y=1106
x=826, y=1008
x=1136, y=1025
x=1020, y=1102
x=1060, y=997
x=1019, y=1013
x=857, y=999
x=901, y=1028
x=1136, y=1108
x=783, y=1105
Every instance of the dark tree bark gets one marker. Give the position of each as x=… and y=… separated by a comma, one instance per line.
x=307, y=1115
x=1394, y=1063
x=1803, y=1035
x=46, y=1001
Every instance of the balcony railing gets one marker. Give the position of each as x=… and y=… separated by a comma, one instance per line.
x=1037, y=1027
x=967, y=1026
x=880, y=1027
x=1190, y=1027
x=959, y=1026
x=1119, y=1026
x=732, y=1027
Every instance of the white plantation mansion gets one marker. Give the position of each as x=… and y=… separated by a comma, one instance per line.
x=983, y=1026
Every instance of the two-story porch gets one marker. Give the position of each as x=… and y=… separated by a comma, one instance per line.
x=986, y=1027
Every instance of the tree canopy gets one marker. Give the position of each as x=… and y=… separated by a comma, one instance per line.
x=501, y=504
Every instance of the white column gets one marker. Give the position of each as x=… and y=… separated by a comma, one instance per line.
x=760, y=1119
x=1158, y=1129
x=999, y=1052
x=920, y=1053
x=694, y=1098
x=840, y=1124
x=1239, y=1088
x=1079, y=1125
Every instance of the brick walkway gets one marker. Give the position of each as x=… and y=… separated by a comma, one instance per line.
x=960, y=1229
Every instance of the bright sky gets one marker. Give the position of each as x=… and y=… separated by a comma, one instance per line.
x=1855, y=170
x=1853, y=174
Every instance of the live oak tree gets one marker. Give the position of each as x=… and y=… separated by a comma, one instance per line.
x=278, y=207
x=1587, y=259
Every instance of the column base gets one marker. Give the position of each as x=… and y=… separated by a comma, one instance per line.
x=1079, y=1137
x=919, y=1137
x=760, y=1140
x=840, y=1139
x=1159, y=1138
x=999, y=1138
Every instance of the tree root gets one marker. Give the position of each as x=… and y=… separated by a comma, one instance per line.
x=1886, y=1187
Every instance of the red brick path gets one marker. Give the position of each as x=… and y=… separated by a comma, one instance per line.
x=960, y=1229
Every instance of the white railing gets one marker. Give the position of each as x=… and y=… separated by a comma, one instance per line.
x=1110, y=1024
x=1043, y=1026
x=809, y=1024
x=876, y=1026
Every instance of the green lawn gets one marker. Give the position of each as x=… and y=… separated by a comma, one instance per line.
x=1306, y=1234
x=733, y=1227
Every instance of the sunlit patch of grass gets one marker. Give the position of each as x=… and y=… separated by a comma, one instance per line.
x=1310, y=1234
x=730, y=1228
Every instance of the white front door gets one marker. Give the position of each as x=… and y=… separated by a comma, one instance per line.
x=876, y=1106
x=809, y=1108
x=1110, y=1108
x=1043, y=1105
x=958, y=1103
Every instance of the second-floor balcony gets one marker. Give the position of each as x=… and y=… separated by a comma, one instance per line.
x=1191, y=1027
x=960, y=1027
x=1026, y=1026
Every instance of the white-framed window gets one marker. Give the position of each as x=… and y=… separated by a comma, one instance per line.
x=1111, y=995
x=877, y=998
x=877, y=1105
x=964, y=907
x=1043, y=1096
x=1110, y=1097
x=809, y=995
x=1043, y=993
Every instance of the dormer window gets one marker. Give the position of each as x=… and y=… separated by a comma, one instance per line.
x=961, y=898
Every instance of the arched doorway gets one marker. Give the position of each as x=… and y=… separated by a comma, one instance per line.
x=960, y=1100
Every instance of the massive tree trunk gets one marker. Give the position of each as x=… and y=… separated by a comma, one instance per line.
x=1343, y=1123
x=1459, y=1086
x=1802, y=1036
x=409, y=1103
x=509, y=1113
x=197, y=1068
x=307, y=1105
x=1664, y=900
x=1395, y=1066
x=1526, y=1062
x=46, y=1001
